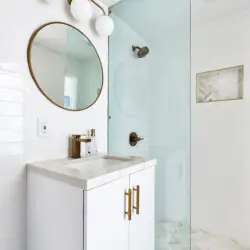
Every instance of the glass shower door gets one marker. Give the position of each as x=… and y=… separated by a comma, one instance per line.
x=150, y=95
x=128, y=93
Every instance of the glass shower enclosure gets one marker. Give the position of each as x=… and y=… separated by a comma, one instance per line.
x=149, y=94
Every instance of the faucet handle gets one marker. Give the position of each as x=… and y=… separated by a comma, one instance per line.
x=78, y=138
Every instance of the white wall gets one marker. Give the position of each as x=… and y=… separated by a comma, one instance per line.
x=12, y=176
x=21, y=144
x=220, y=133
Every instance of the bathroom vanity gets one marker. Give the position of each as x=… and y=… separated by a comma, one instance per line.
x=97, y=203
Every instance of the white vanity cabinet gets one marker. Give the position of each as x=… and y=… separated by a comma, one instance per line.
x=63, y=215
x=142, y=225
x=108, y=227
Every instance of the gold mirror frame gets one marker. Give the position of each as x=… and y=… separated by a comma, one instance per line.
x=33, y=36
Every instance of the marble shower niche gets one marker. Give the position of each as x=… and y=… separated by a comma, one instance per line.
x=220, y=85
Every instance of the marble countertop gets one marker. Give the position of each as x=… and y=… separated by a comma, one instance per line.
x=90, y=172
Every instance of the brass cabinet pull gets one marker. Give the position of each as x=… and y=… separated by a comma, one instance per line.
x=129, y=212
x=137, y=207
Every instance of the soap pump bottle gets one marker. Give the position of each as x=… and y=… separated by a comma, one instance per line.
x=93, y=141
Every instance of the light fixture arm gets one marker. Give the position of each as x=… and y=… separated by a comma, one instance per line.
x=99, y=6
x=95, y=3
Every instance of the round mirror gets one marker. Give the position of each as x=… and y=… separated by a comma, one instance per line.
x=65, y=66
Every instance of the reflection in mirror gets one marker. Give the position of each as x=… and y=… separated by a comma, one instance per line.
x=65, y=66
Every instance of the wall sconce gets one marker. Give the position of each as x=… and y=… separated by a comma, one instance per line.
x=80, y=9
x=104, y=25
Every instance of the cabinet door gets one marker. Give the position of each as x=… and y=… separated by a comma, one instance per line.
x=142, y=226
x=106, y=225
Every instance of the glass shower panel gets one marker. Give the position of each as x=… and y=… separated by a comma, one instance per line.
x=128, y=91
x=151, y=96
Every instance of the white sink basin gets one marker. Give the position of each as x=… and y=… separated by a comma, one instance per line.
x=103, y=159
x=107, y=163
x=92, y=171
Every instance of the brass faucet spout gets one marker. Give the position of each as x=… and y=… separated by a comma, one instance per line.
x=76, y=141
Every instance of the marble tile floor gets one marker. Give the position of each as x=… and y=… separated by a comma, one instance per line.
x=175, y=236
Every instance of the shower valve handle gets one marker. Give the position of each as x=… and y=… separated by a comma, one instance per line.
x=134, y=139
x=140, y=139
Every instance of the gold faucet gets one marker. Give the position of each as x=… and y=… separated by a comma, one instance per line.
x=76, y=141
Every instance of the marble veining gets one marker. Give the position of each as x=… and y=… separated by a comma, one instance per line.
x=90, y=172
x=175, y=236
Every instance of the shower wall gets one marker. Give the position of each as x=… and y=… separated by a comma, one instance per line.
x=151, y=96
x=220, y=132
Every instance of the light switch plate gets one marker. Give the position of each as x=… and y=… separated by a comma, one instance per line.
x=42, y=126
